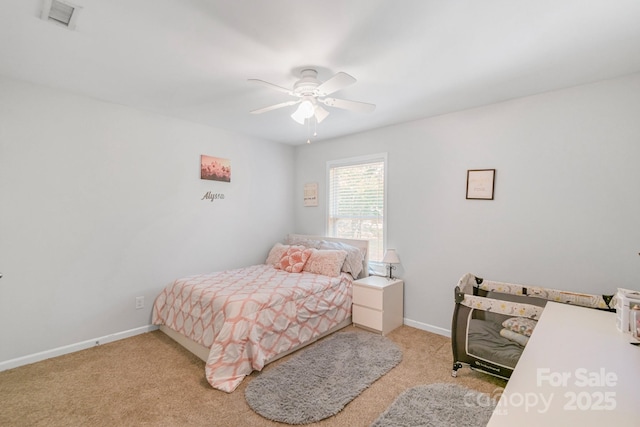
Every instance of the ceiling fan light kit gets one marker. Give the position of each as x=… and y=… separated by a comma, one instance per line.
x=305, y=110
x=311, y=92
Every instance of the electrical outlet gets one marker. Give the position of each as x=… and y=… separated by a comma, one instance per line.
x=139, y=303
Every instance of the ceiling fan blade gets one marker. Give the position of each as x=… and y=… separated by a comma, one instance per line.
x=335, y=83
x=272, y=86
x=360, y=107
x=275, y=107
x=320, y=114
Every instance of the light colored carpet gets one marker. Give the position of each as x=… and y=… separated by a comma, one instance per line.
x=319, y=381
x=438, y=405
x=150, y=380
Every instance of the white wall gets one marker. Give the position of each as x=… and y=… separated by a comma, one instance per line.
x=102, y=203
x=566, y=210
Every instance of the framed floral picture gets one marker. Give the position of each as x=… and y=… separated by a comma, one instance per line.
x=215, y=168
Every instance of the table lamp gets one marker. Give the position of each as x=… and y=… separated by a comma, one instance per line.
x=391, y=257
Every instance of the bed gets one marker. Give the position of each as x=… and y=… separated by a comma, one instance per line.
x=493, y=321
x=239, y=320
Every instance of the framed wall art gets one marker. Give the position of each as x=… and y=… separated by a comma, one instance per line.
x=311, y=194
x=215, y=168
x=480, y=184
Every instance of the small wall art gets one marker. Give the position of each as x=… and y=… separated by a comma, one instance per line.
x=311, y=194
x=480, y=184
x=215, y=168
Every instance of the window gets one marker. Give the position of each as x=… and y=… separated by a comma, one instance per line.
x=356, y=208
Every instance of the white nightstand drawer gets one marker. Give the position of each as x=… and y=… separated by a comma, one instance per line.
x=367, y=317
x=368, y=297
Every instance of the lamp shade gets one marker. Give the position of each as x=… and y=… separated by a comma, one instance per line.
x=391, y=257
x=304, y=111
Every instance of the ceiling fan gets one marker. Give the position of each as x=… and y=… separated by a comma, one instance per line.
x=311, y=92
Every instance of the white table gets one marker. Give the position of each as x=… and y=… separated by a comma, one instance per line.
x=576, y=370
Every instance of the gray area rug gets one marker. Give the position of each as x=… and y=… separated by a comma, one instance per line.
x=320, y=380
x=438, y=405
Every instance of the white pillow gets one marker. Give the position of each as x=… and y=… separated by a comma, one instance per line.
x=308, y=243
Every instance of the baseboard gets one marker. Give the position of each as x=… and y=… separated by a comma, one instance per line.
x=427, y=327
x=48, y=354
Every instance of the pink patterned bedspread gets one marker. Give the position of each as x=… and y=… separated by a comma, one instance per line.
x=249, y=315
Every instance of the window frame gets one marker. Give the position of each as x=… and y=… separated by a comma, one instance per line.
x=354, y=161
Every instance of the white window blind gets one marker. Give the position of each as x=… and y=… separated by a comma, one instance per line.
x=357, y=201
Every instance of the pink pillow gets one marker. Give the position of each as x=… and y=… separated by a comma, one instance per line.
x=326, y=262
x=293, y=260
x=276, y=253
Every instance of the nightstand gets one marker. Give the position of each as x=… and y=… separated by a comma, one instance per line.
x=378, y=303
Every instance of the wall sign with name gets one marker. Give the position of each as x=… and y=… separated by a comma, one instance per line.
x=211, y=196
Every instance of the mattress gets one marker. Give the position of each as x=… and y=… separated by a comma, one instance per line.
x=249, y=315
x=485, y=342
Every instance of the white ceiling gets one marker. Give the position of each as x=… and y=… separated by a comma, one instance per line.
x=412, y=58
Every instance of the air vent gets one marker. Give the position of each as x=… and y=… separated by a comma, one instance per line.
x=60, y=12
